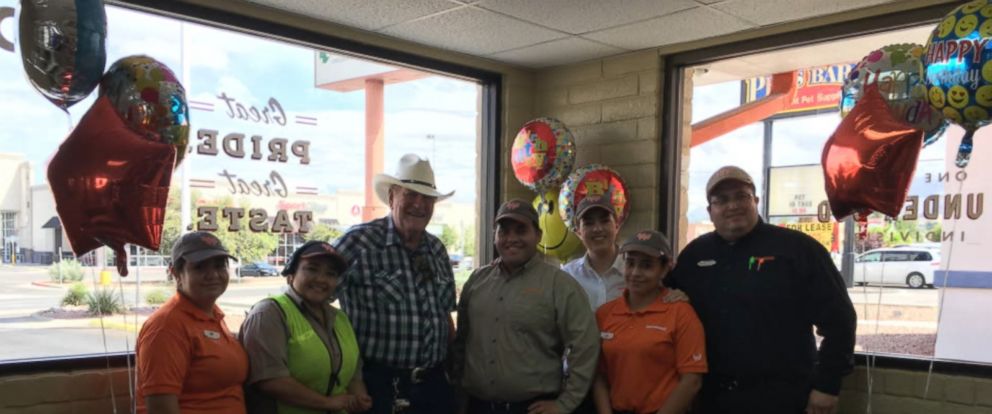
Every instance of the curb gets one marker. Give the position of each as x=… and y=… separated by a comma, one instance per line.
x=116, y=325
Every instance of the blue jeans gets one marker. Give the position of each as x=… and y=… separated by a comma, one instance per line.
x=428, y=393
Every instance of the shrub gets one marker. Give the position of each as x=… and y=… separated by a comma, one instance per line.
x=156, y=297
x=76, y=295
x=104, y=302
x=68, y=270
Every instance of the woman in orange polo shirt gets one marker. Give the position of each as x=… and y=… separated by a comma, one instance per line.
x=188, y=361
x=653, y=353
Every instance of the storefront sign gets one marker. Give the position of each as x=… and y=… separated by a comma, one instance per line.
x=795, y=191
x=816, y=88
x=825, y=233
x=267, y=150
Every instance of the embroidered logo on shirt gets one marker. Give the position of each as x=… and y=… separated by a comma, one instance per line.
x=211, y=334
x=606, y=335
x=697, y=357
x=706, y=263
x=759, y=260
x=657, y=328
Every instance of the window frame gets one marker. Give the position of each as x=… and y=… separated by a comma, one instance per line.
x=673, y=113
x=490, y=108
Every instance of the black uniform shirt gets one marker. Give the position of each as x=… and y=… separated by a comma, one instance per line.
x=759, y=299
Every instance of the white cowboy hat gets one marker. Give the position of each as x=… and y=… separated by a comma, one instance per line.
x=413, y=173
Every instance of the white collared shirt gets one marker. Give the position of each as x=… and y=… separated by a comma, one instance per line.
x=600, y=288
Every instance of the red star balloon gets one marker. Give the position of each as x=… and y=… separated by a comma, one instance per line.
x=868, y=162
x=111, y=185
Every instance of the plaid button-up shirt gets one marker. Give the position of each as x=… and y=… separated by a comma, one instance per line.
x=399, y=301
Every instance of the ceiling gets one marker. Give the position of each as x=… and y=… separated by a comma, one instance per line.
x=543, y=33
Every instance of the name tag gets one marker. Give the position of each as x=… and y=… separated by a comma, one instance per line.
x=706, y=263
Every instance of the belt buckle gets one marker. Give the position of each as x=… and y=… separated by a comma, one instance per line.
x=731, y=385
x=417, y=375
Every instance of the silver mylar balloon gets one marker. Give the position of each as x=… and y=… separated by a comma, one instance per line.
x=63, y=47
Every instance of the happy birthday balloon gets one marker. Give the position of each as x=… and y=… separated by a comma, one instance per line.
x=150, y=100
x=593, y=180
x=63, y=47
x=543, y=154
x=556, y=239
x=898, y=72
x=958, y=61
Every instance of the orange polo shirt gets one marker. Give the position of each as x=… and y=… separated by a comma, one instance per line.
x=184, y=352
x=645, y=352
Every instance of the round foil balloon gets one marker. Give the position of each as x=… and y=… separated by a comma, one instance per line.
x=542, y=154
x=592, y=180
x=556, y=239
x=898, y=72
x=152, y=102
x=958, y=61
x=62, y=47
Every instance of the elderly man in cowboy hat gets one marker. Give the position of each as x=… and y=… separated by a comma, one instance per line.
x=399, y=292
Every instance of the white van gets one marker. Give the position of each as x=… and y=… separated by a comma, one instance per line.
x=912, y=267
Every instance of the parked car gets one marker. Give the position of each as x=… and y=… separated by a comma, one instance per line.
x=913, y=267
x=258, y=269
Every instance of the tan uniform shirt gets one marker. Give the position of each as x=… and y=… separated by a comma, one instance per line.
x=513, y=329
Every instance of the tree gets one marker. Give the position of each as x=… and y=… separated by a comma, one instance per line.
x=468, y=240
x=322, y=232
x=449, y=237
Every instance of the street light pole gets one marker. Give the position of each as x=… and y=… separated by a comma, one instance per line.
x=433, y=140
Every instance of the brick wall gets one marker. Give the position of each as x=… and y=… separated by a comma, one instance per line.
x=901, y=391
x=894, y=391
x=612, y=107
x=73, y=392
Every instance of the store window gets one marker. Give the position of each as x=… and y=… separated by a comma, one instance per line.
x=246, y=95
x=918, y=280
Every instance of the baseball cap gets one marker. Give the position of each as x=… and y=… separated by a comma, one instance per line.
x=650, y=242
x=517, y=210
x=728, y=172
x=198, y=246
x=315, y=248
x=591, y=202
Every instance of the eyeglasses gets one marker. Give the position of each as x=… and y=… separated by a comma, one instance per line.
x=422, y=267
x=723, y=200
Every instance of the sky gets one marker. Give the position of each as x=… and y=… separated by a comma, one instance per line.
x=252, y=70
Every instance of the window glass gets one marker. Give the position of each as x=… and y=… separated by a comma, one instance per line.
x=941, y=223
x=246, y=94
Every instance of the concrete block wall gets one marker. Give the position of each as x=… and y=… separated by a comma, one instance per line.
x=901, y=391
x=72, y=392
x=612, y=106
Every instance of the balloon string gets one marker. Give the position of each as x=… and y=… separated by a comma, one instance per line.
x=861, y=221
x=940, y=302
x=131, y=375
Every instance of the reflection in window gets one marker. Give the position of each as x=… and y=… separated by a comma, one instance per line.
x=277, y=145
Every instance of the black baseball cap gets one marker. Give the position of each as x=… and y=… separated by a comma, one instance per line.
x=591, y=202
x=198, y=246
x=315, y=248
x=649, y=242
x=518, y=210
